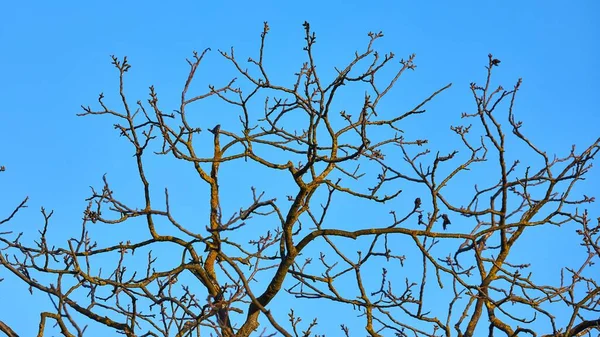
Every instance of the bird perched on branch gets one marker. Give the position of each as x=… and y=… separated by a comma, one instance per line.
x=493, y=61
x=417, y=203
x=216, y=129
x=446, y=221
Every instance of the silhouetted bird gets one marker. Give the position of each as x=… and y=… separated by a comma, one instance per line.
x=216, y=129
x=446, y=221
x=417, y=203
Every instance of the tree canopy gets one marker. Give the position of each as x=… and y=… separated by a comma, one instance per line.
x=438, y=248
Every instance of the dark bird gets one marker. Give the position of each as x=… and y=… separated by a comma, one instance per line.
x=446, y=221
x=417, y=203
x=216, y=129
x=495, y=62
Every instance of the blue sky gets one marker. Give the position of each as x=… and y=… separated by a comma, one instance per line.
x=56, y=58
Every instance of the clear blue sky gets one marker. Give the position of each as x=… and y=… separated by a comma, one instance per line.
x=55, y=57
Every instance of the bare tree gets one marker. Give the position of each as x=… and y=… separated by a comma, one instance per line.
x=230, y=269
